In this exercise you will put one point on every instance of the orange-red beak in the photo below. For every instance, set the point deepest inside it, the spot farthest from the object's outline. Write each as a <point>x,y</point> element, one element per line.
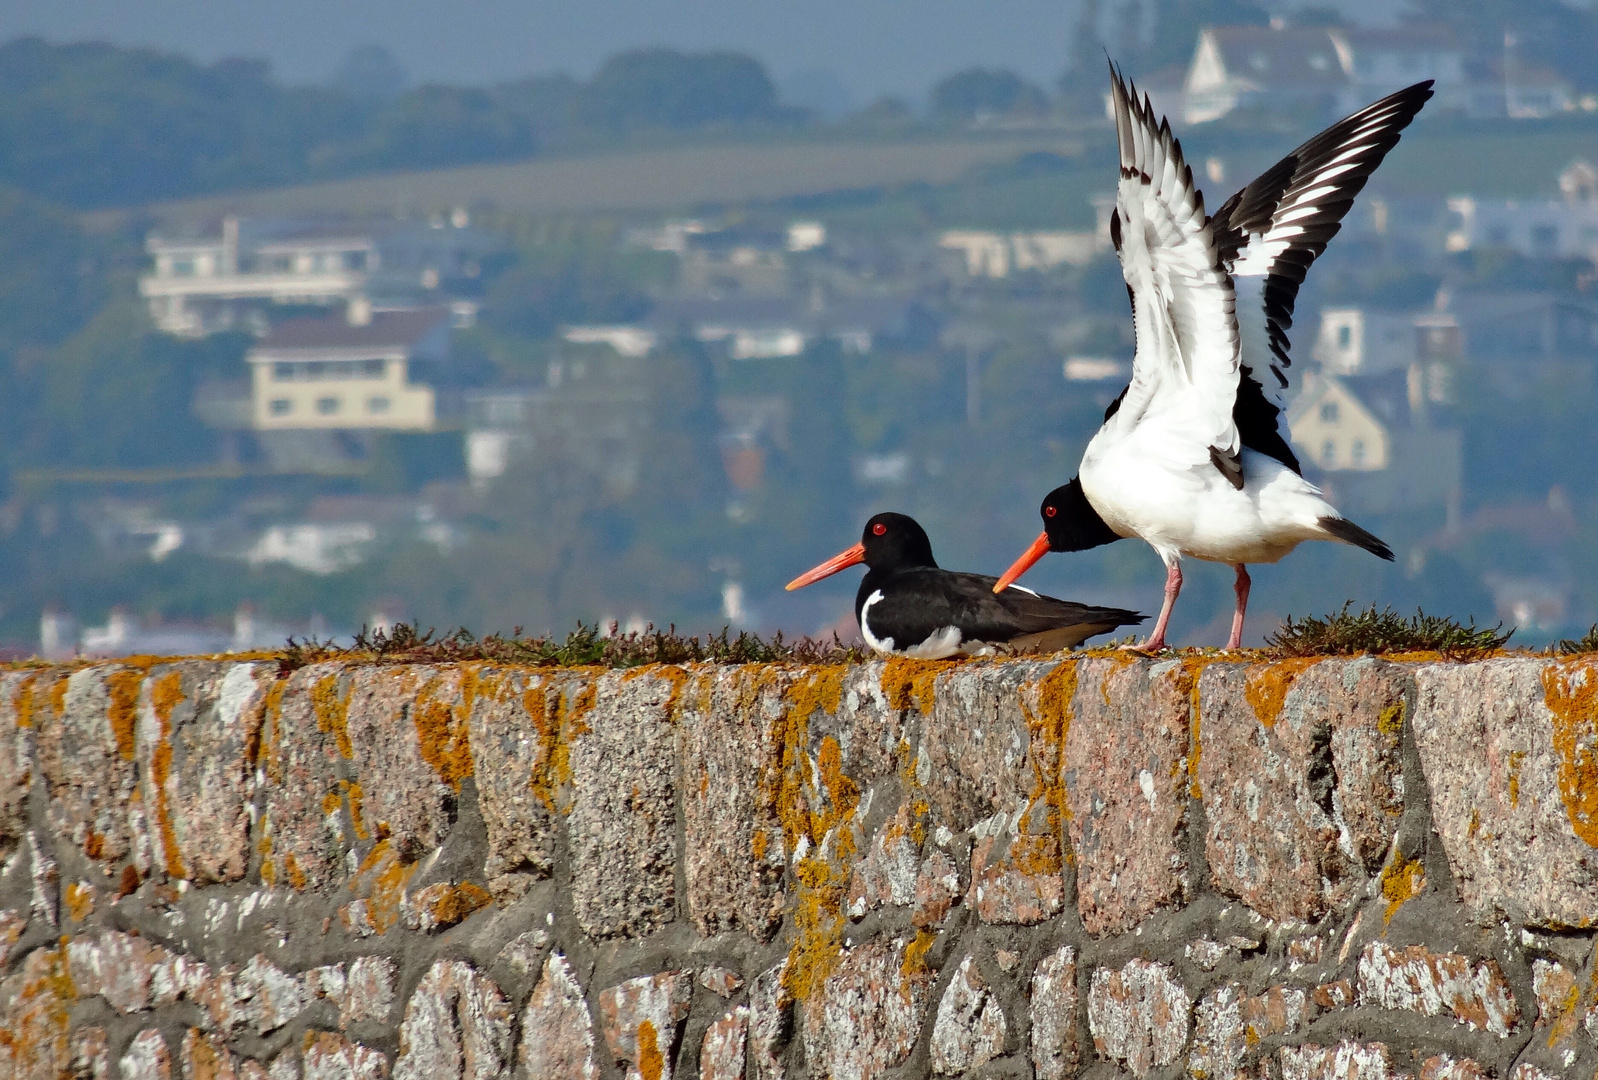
<point>1039,548</point>
<point>841,561</point>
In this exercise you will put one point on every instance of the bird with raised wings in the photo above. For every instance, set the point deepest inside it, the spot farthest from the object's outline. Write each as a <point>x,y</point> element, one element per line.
<point>1193,456</point>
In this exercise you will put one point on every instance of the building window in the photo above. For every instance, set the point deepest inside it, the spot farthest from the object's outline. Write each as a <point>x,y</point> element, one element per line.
<point>1328,454</point>
<point>327,406</point>
<point>281,406</point>
<point>377,405</point>
<point>1356,452</point>
<point>182,267</point>
<point>1345,336</point>
<point>283,372</point>
<point>1329,411</point>
<point>372,369</point>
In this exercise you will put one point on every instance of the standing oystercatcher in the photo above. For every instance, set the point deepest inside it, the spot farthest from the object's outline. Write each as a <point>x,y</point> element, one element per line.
<point>1193,456</point>
<point>908,606</point>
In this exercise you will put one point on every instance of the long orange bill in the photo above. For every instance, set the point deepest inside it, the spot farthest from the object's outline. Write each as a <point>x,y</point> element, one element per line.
<point>841,561</point>
<point>1039,548</point>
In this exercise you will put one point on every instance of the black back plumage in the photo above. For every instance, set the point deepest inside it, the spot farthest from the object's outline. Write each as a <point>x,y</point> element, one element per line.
<point>920,599</point>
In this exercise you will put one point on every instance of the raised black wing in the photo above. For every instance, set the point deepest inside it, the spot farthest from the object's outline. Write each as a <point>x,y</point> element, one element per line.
<point>1268,234</point>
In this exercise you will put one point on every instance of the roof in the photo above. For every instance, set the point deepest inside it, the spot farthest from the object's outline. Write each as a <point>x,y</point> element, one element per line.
<point>1432,37</point>
<point>1301,57</point>
<point>387,330</point>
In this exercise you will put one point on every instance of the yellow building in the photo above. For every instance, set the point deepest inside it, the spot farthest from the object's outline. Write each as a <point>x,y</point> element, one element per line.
<point>1335,429</point>
<point>358,372</point>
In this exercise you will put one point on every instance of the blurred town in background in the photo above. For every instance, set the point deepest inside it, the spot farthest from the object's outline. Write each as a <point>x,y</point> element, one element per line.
<point>641,346</point>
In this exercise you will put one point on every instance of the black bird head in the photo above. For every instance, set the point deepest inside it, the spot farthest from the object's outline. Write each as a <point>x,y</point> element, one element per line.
<point>888,542</point>
<point>1069,524</point>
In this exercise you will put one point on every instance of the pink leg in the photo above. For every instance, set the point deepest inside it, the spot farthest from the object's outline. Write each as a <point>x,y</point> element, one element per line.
<point>1173,587</point>
<point>1236,640</point>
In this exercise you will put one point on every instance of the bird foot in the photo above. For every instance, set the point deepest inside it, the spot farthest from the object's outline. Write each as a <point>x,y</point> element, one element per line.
<point>1147,648</point>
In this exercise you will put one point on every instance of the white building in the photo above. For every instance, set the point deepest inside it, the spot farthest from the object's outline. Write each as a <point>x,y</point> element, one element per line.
<point>195,283</point>
<point>1553,228</point>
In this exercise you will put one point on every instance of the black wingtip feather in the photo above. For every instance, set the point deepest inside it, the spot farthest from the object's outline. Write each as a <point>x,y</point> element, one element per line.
<point>1349,533</point>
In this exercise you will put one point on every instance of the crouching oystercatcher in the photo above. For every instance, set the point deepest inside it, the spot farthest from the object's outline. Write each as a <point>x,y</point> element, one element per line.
<point>1193,456</point>
<point>909,606</point>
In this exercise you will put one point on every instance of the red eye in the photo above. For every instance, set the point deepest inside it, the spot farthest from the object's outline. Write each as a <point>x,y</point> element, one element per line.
<point>879,528</point>
<point>1049,511</point>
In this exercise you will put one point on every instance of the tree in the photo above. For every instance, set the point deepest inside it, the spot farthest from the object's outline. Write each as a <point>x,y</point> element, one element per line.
<point>977,92</point>
<point>663,88</point>
<point>370,72</point>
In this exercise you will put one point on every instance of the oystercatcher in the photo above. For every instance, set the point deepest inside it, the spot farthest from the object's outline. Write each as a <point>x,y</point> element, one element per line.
<point>908,606</point>
<point>1193,456</point>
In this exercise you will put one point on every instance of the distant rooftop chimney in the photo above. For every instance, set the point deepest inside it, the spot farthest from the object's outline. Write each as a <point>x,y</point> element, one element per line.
<point>359,312</point>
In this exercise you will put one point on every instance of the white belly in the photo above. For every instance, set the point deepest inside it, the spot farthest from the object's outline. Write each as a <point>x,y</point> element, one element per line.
<point>1194,512</point>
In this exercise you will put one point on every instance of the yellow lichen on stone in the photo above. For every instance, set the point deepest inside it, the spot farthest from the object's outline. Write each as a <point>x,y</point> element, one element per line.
<point>1390,721</point>
<point>332,713</point>
<point>385,875</point>
<point>651,1064</point>
<point>1402,880</point>
<point>1266,685</point>
<point>292,871</point>
<point>1048,727</point>
<point>264,847</point>
<point>912,683</point>
<point>23,702</point>
<point>353,792</point>
<point>441,732</point>
<point>1570,690</point>
<point>78,899</point>
<point>815,802</point>
<point>266,751</point>
<point>122,687</point>
<point>165,695</point>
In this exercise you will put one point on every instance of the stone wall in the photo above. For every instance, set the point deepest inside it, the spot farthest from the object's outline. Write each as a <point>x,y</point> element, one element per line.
<point>1096,866</point>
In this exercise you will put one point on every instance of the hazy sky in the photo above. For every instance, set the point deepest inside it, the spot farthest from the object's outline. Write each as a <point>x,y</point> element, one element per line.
<point>871,46</point>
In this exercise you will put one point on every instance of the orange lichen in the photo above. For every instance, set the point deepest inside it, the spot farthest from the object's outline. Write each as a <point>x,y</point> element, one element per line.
<point>1402,880</point>
<point>1569,1015</point>
<point>58,697</point>
<point>78,898</point>
<point>165,695</point>
<point>36,1036</point>
<point>914,964</point>
<point>651,1064</point>
<point>912,683</point>
<point>122,687</point>
<point>23,702</point>
<point>291,870</point>
<point>1266,685</point>
<point>1570,691</point>
<point>1516,759</point>
<point>1047,729</point>
<point>387,875</point>
<point>264,846</point>
<point>441,731</point>
<point>353,792</point>
<point>332,713</point>
<point>129,883</point>
<point>815,803</point>
<point>261,736</point>
<point>1188,677</point>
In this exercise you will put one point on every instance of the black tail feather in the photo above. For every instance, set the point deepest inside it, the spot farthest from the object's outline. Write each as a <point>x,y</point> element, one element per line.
<point>1349,533</point>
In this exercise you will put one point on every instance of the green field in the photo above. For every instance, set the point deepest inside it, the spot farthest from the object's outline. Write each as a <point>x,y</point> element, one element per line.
<point>647,181</point>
